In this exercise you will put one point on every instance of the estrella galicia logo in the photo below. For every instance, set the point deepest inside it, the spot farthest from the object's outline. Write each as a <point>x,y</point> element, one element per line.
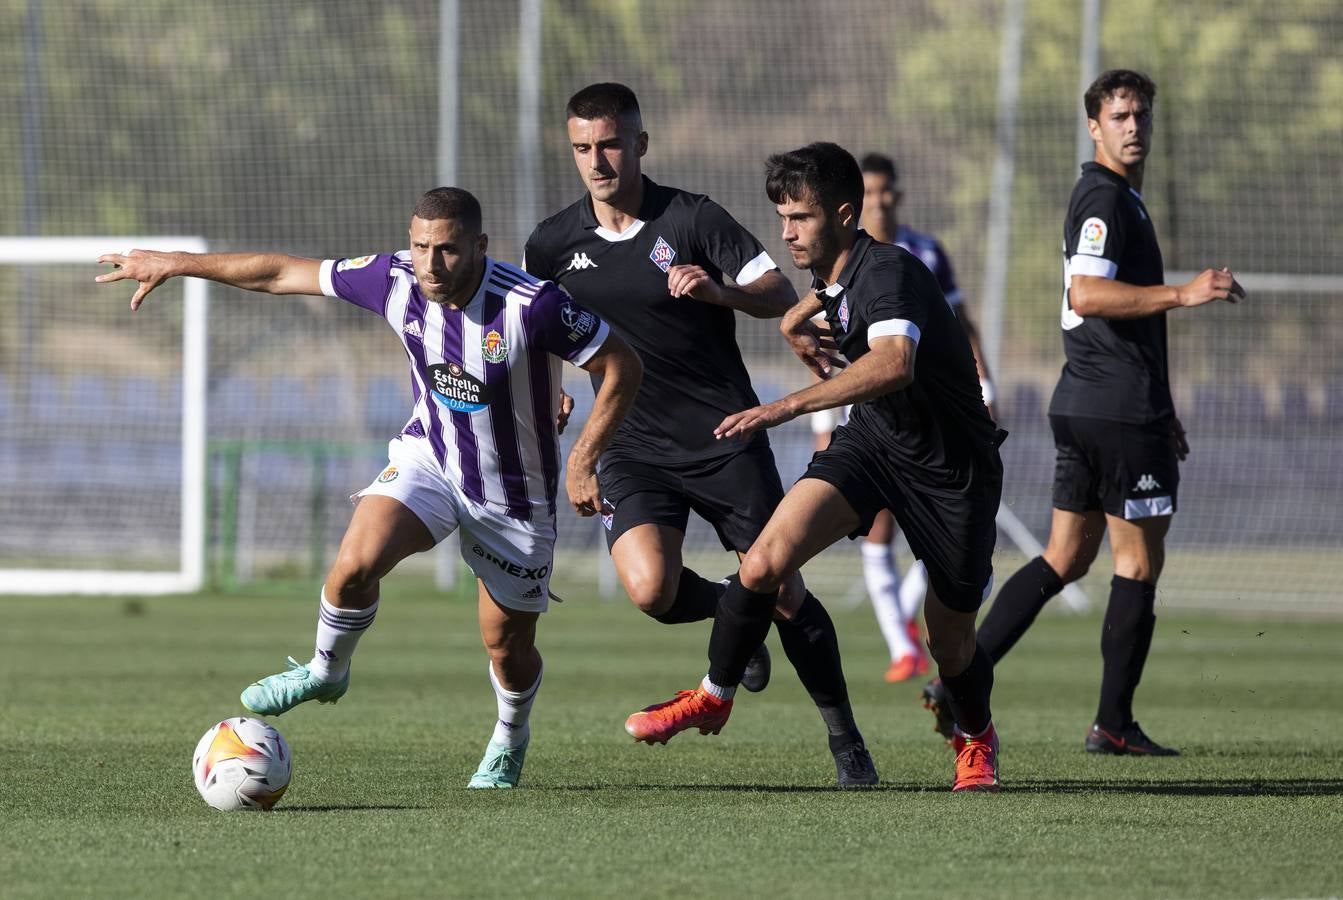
<point>662,254</point>
<point>456,388</point>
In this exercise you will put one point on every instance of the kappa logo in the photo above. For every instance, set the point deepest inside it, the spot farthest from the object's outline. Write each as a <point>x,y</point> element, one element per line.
<point>581,261</point>
<point>662,254</point>
<point>414,329</point>
<point>1148,483</point>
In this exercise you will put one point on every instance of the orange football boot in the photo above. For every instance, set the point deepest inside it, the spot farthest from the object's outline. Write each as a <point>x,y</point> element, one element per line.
<point>977,763</point>
<point>904,668</point>
<point>660,722</point>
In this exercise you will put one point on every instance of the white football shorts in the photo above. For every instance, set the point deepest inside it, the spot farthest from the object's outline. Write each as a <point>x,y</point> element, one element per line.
<point>512,557</point>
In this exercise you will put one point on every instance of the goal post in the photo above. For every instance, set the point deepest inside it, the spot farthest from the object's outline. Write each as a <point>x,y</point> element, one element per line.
<point>46,419</point>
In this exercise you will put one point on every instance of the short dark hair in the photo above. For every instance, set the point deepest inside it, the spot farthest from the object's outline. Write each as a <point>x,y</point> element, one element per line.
<point>1107,84</point>
<point>880,164</point>
<point>450,203</point>
<point>824,172</point>
<point>606,100</point>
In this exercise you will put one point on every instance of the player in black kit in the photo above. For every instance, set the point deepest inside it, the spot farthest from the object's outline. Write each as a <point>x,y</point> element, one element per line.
<point>651,260</point>
<point>923,447</point>
<point>1119,443</point>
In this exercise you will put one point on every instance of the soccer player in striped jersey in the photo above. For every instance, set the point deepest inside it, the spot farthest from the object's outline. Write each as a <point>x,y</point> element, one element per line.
<point>897,601</point>
<point>479,453</point>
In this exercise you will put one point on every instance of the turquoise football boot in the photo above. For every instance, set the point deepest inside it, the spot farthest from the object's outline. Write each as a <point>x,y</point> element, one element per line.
<point>280,693</point>
<point>501,767</point>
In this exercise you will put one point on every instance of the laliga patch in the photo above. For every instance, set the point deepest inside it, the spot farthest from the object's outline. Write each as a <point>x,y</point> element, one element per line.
<point>356,262</point>
<point>844,313</point>
<point>388,475</point>
<point>456,388</point>
<point>662,254</point>
<point>1092,239</point>
<point>580,322</point>
<point>493,347</point>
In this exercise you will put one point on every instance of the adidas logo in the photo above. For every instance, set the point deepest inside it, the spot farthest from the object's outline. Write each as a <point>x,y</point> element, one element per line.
<point>414,329</point>
<point>1148,483</point>
<point>533,594</point>
<point>580,261</point>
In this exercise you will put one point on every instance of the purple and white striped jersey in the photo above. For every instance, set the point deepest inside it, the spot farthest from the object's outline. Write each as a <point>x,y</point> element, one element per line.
<point>486,378</point>
<point>927,248</point>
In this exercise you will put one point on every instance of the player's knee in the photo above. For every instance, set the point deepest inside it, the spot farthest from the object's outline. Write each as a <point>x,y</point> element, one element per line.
<point>1069,564</point>
<point>760,572</point>
<point>352,580</point>
<point>649,591</point>
<point>951,649</point>
<point>1137,569</point>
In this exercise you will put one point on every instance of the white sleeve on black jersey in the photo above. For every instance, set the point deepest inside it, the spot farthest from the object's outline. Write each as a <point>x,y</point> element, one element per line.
<point>1095,239</point>
<point>728,245</point>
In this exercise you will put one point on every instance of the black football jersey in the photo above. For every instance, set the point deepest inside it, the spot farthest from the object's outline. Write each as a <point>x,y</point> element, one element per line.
<point>694,376</point>
<point>937,427</point>
<point>1115,369</point>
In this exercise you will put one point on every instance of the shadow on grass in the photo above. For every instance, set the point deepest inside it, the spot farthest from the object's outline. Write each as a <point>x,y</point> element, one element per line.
<point>1213,787</point>
<point>344,807</point>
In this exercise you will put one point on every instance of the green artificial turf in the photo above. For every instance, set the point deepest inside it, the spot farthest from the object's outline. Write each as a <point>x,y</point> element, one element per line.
<point>103,701</point>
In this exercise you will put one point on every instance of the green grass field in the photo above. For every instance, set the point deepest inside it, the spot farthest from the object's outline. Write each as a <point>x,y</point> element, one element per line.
<point>103,701</point>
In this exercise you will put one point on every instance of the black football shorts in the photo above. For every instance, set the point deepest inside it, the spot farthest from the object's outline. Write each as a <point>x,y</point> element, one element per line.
<point>735,494</point>
<point>952,531</point>
<point>1129,471</point>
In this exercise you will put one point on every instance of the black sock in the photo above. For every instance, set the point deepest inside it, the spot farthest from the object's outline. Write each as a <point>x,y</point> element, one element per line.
<point>696,599</point>
<point>739,626</point>
<point>969,694</point>
<point>812,647</point>
<point>1125,640</point>
<point>1017,605</point>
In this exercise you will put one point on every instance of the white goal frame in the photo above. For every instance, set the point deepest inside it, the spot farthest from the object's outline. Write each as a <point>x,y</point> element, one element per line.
<point>190,575</point>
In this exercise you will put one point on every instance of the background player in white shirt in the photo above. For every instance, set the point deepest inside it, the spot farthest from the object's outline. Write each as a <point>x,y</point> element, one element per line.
<point>479,453</point>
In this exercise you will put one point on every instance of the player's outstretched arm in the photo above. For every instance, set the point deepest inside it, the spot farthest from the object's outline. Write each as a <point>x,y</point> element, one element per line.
<point>1094,296</point>
<point>620,372</point>
<point>767,297</point>
<point>272,273</point>
<point>887,366</point>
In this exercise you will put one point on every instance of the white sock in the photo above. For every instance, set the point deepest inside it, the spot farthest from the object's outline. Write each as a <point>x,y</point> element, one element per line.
<point>511,728</point>
<point>912,591</point>
<point>718,690</point>
<point>338,631</point>
<point>880,574</point>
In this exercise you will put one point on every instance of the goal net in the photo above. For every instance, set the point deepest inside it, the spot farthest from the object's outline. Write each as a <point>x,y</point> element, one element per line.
<point>102,424</point>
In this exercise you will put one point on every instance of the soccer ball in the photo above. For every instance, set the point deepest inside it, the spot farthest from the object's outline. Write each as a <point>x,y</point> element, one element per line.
<point>241,763</point>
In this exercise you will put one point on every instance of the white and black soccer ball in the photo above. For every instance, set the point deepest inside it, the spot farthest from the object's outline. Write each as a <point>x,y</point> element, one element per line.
<point>242,763</point>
